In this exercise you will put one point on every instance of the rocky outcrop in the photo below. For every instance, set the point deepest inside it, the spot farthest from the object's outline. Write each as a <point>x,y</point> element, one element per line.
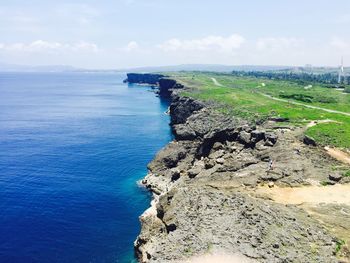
<point>166,87</point>
<point>197,219</point>
<point>199,203</point>
<point>182,107</point>
<point>139,78</point>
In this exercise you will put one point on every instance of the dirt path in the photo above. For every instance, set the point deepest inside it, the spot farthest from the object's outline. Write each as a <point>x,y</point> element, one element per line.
<point>305,105</point>
<point>314,123</point>
<point>216,83</point>
<point>338,154</point>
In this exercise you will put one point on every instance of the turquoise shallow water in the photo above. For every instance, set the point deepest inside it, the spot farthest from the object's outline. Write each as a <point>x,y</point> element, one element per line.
<point>73,146</point>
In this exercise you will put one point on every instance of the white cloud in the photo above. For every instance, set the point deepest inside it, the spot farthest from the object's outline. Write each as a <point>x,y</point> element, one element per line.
<point>209,43</point>
<point>278,44</point>
<point>45,46</point>
<point>85,46</point>
<point>132,46</point>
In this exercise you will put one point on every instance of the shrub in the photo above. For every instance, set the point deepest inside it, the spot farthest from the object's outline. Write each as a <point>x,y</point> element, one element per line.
<point>347,174</point>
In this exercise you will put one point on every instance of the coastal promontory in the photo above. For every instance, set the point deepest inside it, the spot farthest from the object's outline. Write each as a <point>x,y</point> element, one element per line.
<point>235,186</point>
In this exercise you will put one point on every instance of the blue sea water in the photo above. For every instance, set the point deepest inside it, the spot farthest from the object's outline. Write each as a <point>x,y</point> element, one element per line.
<point>72,146</point>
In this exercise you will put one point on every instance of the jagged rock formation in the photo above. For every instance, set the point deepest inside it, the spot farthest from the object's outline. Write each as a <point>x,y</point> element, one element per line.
<point>199,201</point>
<point>165,85</point>
<point>152,79</point>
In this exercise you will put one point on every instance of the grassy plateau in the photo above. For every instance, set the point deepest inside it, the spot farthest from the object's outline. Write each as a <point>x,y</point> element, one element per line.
<point>258,99</point>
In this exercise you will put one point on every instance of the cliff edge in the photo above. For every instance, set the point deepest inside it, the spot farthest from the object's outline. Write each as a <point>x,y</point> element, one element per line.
<point>204,198</point>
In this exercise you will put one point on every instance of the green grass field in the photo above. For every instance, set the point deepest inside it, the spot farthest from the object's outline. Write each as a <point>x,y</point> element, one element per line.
<point>248,97</point>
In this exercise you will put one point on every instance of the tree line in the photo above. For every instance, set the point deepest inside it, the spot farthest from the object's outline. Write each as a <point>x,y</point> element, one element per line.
<point>300,77</point>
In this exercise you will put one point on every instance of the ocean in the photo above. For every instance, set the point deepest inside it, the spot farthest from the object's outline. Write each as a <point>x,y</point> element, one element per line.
<point>72,147</point>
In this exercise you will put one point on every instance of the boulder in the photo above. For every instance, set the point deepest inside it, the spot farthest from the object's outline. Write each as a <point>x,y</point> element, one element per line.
<point>270,139</point>
<point>244,137</point>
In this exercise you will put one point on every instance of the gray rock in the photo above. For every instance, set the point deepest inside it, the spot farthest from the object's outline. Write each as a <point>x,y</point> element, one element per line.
<point>257,135</point>
<point>309,141</point>
<point>244,137</point>
<point>272,176</point>
<point>209,163</point>
<point>175,174</point>
<point>218,146</point>
<point>217,154</point>
<point>209,209</point>
<point>182,107</point>
<point>192,173</point>
<point>184,132</point>
<point>335,177</point>
<point>198,217</point>
<point>220,160</point>
<point>271,139</point>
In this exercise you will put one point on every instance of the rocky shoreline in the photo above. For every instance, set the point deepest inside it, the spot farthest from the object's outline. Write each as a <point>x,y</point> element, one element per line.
<point>202,181</point>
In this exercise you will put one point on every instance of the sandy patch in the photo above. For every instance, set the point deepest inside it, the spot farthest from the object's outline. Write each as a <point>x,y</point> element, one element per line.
<point>220,258</point>
<point>333,194</point>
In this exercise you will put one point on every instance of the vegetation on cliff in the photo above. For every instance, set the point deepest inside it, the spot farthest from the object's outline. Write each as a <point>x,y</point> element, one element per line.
<point>259,99</point>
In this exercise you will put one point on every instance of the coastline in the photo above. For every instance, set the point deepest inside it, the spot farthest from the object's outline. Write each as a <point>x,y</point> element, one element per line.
<point>202,185</point>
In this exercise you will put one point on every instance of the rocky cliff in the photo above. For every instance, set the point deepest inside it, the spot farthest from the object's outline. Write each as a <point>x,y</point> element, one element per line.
<point>165,85</point>
<point>201,185</point>
<point>139,78</point>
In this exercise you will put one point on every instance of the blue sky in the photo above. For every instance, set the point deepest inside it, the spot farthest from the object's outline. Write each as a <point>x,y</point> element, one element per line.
<point>130,33</point>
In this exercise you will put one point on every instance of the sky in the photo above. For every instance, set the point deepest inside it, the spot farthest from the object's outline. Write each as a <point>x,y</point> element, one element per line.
<point>113,34</point>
